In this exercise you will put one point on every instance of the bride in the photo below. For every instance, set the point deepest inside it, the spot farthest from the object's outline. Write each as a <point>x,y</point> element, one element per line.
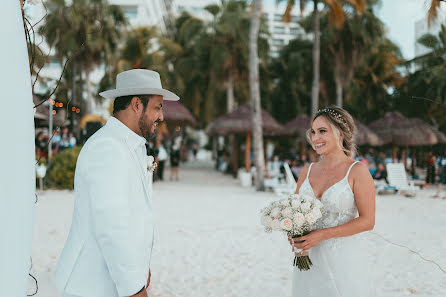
<point>347,191</point>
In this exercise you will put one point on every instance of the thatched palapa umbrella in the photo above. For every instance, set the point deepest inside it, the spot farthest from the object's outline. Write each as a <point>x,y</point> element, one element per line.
<point>441,137</point>
<point>239,122</point>
<point>298,127</point>
<point>365,136</point>
<point>396,129</point>
<point>175,112</point>
<point>175,115</point>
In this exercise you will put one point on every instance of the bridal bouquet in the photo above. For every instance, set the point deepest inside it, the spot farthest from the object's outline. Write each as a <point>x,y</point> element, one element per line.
<point>296,216</point>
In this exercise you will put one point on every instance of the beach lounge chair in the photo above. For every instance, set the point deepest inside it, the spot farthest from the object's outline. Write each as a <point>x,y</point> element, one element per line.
<point>396,175</point>
<point>289,187</point>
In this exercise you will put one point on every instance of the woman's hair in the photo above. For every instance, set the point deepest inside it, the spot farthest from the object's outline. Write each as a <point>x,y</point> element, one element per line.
<point>343,127</point>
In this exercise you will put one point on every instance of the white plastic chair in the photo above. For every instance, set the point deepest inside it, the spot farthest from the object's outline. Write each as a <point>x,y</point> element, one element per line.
<point>290,185</point>
<point>396,175</point>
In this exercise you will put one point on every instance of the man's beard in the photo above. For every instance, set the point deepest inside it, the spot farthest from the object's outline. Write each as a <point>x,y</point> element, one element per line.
<point>146,128</point>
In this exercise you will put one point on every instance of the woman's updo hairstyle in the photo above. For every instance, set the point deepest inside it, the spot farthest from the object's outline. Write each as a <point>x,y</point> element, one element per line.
<point>343,127</point>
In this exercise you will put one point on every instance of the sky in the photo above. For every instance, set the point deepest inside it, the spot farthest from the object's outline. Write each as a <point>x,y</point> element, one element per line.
<point>399,16</point>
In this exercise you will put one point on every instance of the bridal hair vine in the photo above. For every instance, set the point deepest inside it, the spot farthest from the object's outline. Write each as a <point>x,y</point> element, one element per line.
<point>335,114</point>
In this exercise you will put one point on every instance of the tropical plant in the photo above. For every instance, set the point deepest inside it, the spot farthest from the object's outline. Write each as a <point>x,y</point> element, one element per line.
<point>62,168</point>
<point>425,89</point>
<point>85,33</point>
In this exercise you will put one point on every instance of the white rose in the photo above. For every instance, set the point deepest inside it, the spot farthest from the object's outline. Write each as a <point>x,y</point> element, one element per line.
<point>275,225</point>
<point>295,203</point>
<point>316,212</point>
<point>295,196</point>
<point>285,202</point>
<point>150,160</point>
<point>287,213</point>
<point>299,220</point>
<point>310,219</point>
<point>266,221</point>
<point>275,213</point>
<point>307,198</point>
<point>286,224</point>
<point>305,207</point>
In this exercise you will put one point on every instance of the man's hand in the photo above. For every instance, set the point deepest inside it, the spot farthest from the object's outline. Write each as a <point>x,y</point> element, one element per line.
<point>148,280</point>
<point>143,293</point>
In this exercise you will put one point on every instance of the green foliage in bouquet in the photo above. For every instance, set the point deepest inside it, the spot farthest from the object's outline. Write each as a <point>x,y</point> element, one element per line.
<point>61,170</point>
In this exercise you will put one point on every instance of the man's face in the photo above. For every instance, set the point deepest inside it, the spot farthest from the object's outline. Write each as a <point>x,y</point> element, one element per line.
<point>151,117</point>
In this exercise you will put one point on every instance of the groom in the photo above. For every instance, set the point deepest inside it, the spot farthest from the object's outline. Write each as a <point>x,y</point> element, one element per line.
<point>108,250</point>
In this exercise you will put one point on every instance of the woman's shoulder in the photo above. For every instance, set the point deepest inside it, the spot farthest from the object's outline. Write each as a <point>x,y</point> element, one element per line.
<point>360,170</point>
<point>303,172</point>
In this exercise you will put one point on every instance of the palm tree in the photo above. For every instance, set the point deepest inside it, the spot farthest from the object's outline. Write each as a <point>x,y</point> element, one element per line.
<point>336,16</point>
<point>347,45</point>
<point>432,13</point>
<point>427,84</point>
<point>232,34</point>
<point>86,33</point>
<point>255,96</point>
<point>376,77</point>
<point>293,74</point>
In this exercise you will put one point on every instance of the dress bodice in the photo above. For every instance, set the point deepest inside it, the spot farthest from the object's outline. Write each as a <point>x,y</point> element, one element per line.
<point>339,201</point>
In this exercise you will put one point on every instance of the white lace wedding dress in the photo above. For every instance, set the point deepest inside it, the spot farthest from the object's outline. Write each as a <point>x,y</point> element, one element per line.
<point>340,267</point>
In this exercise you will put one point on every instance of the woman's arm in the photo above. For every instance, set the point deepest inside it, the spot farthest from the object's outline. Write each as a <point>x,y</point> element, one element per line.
<point>364,191</point>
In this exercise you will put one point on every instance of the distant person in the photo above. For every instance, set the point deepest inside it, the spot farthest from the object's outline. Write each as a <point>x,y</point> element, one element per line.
<point>174,162</point>
<point>55,140</point>
<point>41,144</point>
<point>430,170</point>
<point>64,141</point>
<point>72,141</point>
<point>162,157</point>
<point>442,172</point>
<point>296,167</point>
<point>195,150</point>
<point>380,173</point>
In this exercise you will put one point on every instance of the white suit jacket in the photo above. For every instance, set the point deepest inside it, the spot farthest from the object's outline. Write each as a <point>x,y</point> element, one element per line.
<point>108,249</point>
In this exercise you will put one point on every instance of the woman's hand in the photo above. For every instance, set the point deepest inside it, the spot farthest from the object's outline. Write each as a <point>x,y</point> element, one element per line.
<point>308,241</point>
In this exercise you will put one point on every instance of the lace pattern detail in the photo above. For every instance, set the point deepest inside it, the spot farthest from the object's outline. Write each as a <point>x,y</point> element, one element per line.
<point>339,203</point>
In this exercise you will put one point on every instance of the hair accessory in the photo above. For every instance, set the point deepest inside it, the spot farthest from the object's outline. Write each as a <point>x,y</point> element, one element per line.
<point>335,114</point>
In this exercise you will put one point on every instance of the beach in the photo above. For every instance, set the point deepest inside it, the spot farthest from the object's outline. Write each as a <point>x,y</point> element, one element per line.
<point>209,241</point>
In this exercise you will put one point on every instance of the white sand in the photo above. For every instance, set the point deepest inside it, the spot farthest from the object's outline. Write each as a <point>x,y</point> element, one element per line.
<point>209,241</point>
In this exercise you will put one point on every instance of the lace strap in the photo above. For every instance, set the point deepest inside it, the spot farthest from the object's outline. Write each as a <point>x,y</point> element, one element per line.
<point>309,168</point>
<point>350,168</point>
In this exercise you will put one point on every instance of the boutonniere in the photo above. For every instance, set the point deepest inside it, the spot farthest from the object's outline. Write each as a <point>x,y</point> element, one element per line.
<point>151,164</point>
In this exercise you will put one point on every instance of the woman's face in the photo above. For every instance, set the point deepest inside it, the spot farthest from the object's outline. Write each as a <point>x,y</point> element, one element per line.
<point>323,136</point>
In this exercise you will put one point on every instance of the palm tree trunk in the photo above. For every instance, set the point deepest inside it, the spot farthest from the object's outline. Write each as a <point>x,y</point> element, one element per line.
<point>230,92</point>
<point>316,60</point>
<point>90,102</point>
<point>338,91</point>
<point>255,96</point>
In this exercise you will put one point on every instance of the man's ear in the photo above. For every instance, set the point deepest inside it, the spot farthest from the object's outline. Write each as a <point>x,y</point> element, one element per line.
<point>136,104</point>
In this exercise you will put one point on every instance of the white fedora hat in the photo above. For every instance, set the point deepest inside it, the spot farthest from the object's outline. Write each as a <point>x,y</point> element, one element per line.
<point>139,82</point>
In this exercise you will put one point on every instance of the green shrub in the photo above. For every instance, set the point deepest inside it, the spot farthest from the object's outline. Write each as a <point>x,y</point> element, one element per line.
<point>61,171</point>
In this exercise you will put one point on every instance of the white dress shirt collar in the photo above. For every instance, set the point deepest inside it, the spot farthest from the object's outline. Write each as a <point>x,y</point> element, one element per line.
<point>134,140</point>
